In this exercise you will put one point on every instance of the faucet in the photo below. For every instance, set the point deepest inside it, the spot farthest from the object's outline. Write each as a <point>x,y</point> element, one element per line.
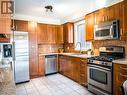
<point>79,44</point>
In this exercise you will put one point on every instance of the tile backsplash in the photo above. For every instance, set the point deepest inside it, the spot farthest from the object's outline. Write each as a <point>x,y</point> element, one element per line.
<point>97,44</point>
<point>48,48</point>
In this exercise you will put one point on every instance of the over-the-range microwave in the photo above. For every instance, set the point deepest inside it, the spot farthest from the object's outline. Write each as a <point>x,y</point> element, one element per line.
<point>108,30</point>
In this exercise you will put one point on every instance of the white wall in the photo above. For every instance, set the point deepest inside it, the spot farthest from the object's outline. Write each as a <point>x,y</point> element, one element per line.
<point>95,5</point>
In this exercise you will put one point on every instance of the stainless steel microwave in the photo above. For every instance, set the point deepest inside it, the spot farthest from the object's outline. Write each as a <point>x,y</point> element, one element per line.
<point>108,30</point>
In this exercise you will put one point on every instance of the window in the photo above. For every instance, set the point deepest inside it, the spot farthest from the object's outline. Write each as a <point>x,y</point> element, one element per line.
<point>79,28</point>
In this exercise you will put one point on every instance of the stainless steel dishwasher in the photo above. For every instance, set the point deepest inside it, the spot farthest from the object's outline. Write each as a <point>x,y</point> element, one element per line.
<point>50,64</point>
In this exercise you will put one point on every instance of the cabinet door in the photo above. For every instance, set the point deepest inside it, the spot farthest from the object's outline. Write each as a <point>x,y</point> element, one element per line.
<point>89,25</point>
<point>68,33</point>
<point>83,72</point>
<point>33,50</point>
<point>61,64</point>
<point>51,29</point>
<point>59,39</point>
<point>41,66</point>
<point>5,25</point>
<point>76,69</point>
<point>42,34</point>
<point>21,25</point>
<point>100,16</point>
<point>124,34</point>
<point>120,75</point>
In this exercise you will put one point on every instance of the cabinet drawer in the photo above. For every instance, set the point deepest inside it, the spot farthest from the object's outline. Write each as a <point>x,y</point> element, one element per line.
<point>121,77</point>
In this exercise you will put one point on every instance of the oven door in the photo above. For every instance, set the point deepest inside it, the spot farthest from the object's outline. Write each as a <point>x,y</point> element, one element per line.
<point>100,77</point>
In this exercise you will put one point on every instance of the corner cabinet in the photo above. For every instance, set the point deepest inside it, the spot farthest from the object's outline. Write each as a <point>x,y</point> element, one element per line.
<point>119,76</point>
<point>49,34</point>
<point>89,26</point>
<point>74,68</point>
<point>68,29</point>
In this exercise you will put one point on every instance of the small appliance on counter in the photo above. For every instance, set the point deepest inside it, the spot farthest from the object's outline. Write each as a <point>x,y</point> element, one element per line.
<point>100,69</point>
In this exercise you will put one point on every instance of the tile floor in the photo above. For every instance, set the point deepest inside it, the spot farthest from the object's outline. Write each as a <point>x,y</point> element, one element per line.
<point>56,84</point>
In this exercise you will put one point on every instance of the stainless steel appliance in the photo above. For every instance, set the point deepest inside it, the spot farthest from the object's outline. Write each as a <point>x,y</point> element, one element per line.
<point>100,69</point>
<point>21,56</point>
<point>108,30</point>
<point>50,64</point>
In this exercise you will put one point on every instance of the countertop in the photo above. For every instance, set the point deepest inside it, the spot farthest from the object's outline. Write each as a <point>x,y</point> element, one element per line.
<point>121,61</point>
<point>7,85</point>
<point>69,54</point>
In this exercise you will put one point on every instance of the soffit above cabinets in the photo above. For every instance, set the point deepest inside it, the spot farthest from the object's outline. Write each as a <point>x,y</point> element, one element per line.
<point>63,10</point>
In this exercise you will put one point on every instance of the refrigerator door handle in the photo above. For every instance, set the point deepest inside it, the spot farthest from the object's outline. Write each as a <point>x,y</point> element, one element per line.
<point>14,58</point>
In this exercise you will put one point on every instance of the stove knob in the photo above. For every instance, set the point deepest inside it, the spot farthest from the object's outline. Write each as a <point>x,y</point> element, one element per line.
<point>90,61</point>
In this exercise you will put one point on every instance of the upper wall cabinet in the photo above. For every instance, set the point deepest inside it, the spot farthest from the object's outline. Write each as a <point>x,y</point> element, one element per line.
<point>59,37</point>
<point>68,29</point>
<point>21,25</point>
<point>5,25</point>
<point>89,24</point>
<point>124,20</point>
<point>42,33</point>
<point>52,33</point>
<point>114,12</point>
<point>49,34</point>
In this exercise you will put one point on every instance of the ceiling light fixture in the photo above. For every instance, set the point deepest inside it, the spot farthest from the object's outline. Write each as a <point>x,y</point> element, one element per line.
<point>49,8</point>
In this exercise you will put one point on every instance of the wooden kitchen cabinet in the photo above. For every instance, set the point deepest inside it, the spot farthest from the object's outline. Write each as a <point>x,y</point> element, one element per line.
<point>83,72</point>
<point>21,25</point>
<point>5,25</point>
<point>49,34</point>
<point>68,29</point>
<point>41,65</point>
<point>59,37</point>
<point>33,50</point>
<point>42,34</point>
<point>119,76</point>
<point>52,31</point>
<point>100,16</point>
<point>89,26</point>
<point>124,20</point>
<point>74,68</point>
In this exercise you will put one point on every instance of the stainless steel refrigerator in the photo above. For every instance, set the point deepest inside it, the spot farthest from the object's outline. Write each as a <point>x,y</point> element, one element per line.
<point>21,56</point>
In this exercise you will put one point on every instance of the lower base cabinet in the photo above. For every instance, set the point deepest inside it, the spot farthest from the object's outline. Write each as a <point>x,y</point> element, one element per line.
<point>120,75</point>
<point>74,68</point>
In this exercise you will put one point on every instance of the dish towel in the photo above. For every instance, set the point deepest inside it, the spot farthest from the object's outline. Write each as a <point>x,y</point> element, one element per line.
<point>125,87</point>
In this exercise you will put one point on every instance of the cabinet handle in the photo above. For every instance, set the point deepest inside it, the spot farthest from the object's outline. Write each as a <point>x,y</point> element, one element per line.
<point>123,68</point>
<point>121,31</point>
<point>123,75</point>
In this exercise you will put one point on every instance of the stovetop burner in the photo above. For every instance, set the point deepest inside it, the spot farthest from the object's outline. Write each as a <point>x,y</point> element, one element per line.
<point>103,58</point>
<point>107,55</point>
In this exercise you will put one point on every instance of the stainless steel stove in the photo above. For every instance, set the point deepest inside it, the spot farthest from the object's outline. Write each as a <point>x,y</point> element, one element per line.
<point>100,69</point>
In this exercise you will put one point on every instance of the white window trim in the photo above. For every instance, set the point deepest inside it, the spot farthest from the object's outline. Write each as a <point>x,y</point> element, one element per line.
<point>75,29</point>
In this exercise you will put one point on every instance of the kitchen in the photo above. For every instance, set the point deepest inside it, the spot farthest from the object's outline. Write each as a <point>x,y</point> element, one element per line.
<point>47,50</point>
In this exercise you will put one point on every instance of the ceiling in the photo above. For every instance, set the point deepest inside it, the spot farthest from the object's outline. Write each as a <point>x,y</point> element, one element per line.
<point>63,10</point>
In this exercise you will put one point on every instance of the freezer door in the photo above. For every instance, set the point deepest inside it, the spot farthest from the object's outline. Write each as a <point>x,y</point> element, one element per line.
<point>21,69</point>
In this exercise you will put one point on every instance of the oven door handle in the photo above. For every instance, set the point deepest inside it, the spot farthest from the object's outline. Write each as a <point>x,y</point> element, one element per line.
<point>99,67</point>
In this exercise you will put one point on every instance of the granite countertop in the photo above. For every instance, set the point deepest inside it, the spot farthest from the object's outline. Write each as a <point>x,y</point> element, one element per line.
<point>69,54</point>
<point>121,61</point>
<point>7,85</point>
